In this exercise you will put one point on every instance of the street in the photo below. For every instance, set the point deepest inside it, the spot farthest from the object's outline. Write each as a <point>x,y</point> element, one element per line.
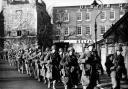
<point>10,78</point>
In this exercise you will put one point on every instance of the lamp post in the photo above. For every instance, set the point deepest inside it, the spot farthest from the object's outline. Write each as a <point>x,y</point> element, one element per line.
<point>95,26</point>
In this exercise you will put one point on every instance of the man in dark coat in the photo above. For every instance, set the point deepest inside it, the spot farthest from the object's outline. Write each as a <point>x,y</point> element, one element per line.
<point>53,61</point>
<point>115,65</point>
<point>116,69</point>
<point>93,61</point>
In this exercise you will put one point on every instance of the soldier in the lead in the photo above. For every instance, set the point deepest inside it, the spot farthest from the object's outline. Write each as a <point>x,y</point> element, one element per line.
<point>70,69</point>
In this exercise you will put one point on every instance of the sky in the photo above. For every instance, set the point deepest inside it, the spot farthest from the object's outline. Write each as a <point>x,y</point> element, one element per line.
<point>0,5</point>
<point>52,3</point>
<point>79,2</point>
<point>56,3</point>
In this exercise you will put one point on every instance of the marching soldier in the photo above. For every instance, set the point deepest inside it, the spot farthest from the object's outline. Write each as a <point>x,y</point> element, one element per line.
<point>89,62</point>
<point>53,61</point>
<point>43,63</point>
<point>61,53</point>
<point>21,61</point>
<point>70,68</point>
<point>85,68</point>
<point>116,65</point>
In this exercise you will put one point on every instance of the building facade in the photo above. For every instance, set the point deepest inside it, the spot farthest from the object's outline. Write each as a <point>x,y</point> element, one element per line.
<point>75,24</point>
<point>20,23</point>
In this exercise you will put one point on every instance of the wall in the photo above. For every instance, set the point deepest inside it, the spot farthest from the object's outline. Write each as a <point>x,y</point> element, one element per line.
<point>72,23</point>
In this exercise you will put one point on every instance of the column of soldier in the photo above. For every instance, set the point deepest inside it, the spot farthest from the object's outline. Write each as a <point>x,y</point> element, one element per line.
<point>59,66</point>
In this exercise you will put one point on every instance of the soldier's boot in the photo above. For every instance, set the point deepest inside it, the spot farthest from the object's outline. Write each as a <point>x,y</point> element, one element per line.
<point>49,85</point>
<point>45,81</point>
<point>76,86</point>
<point>54,82</point>
<point>84,87</point>
<point>65,87</point>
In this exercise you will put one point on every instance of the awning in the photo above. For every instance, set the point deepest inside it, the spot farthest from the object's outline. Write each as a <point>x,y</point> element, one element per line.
<point>119,31</point>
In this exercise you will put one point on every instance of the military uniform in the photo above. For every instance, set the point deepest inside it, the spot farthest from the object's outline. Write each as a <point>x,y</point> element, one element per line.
<point>92,62</point>
<point>116,66</point>
<point>70,70</point>
<point>53,61</point>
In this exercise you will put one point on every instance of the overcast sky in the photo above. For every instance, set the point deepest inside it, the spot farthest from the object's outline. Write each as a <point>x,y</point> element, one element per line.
<point>51,3</point>
<point>0,5</point>
<point>79,2</point>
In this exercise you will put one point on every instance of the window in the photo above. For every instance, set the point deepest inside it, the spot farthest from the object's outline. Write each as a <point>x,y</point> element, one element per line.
<point>66,17</point>
<point>112,15</point>
<point>19,33</point>
<point>79,16</point>
<point>88,29</point>
<point>103,15</point>
<point>58,32</point>
<point>8,33</point>
<point>79,30</point>
<point>87,16</point>
<point>102,29</point>
<point>19,14</point>
<point>58,17</point>
<point>66,32</point>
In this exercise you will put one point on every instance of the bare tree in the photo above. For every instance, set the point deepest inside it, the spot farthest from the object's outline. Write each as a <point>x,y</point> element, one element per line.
<point>44,26</point>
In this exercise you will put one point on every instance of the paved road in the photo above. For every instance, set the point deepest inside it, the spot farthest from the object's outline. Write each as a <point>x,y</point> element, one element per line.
<point>10,78</point>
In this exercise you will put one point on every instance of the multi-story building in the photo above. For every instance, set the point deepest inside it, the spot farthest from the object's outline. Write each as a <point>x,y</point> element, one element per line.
<point>20,23</point>
<point>75,24</point>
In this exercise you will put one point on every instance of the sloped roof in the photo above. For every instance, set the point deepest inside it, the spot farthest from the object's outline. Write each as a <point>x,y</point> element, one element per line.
<point>119,30</point>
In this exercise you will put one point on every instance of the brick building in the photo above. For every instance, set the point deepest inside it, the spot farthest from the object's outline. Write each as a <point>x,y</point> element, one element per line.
<point>75,24</point>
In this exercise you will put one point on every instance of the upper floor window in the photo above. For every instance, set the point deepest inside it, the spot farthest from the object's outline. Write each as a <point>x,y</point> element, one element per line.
<point>103,15</point>
<point>79,30</point>
<point>58,32</point>
<point>66,17</point>
<point>102,27</point>
<point>19,33</point>
<point>79,16</point>
<point>19,14</point>
<point>87,16</point>
<point>66,31</point>
<point>112,15</point>
<point>88,29</point>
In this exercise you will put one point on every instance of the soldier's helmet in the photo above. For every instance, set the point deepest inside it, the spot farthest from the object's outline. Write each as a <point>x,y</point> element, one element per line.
<point>54,47</point>
<point>71,49</point>
<point>119,48</point>
<point>47,49</point>
<point>60,49</point>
